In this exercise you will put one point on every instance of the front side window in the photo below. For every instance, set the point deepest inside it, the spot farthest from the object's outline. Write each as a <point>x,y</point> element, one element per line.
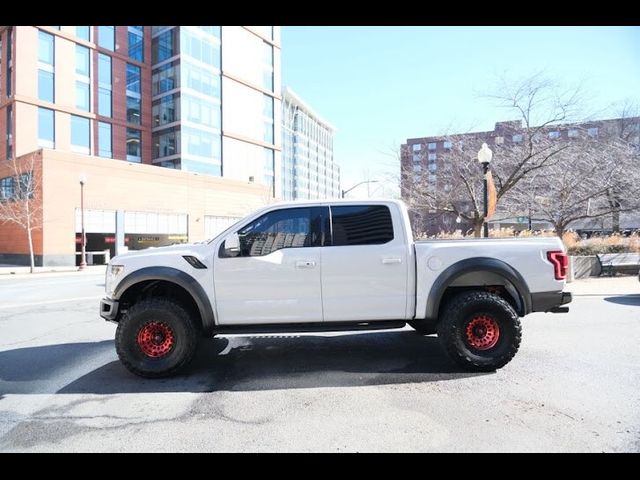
<point>6,188</point>
<point>361,225</point>
<point>133,78</point>
<point>287,228</point>
<point>136,43</point>
<point>82,60</point>
<point>82,96</point>
<point>104,140</point>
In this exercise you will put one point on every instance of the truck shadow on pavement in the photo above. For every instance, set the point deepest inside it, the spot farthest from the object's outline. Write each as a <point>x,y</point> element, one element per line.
<point>270,362</point>
<point>238,363</point>
<point>633,299</point>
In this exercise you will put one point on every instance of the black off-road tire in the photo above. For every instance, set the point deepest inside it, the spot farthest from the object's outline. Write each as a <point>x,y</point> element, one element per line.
<point>171,318</point>
<point>422,327</point>
<point>479,308</point>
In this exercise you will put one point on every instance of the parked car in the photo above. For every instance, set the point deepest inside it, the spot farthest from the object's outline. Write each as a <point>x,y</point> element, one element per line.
<point>326,266</point>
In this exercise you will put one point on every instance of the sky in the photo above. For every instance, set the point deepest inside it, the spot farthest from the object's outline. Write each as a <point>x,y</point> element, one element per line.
<point>381,85</point>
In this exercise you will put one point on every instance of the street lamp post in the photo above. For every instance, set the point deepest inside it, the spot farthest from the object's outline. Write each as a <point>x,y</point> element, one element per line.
<point>344,192</point>
<point>484,157</point>
<point>83,239</point>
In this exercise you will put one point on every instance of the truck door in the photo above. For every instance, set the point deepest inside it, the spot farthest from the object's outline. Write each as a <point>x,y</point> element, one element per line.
<point>364,269</point>
<point>275,277</point>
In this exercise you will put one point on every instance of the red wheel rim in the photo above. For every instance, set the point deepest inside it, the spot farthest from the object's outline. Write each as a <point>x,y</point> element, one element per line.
<point>155,339</point>
<point>482,332</point>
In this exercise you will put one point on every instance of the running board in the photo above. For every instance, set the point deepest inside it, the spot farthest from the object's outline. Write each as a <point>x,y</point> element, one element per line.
<point>308,327</point>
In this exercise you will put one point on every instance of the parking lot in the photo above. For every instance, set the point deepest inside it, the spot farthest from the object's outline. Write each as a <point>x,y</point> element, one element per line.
<point>573,386</point>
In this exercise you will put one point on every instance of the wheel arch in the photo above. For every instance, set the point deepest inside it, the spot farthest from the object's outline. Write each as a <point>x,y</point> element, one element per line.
<point>465,274</point>
<point>149,276</point>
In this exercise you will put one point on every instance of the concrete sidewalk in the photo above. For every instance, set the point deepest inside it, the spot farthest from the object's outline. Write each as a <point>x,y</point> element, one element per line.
<point>619,285</point>
<point>22,271</point>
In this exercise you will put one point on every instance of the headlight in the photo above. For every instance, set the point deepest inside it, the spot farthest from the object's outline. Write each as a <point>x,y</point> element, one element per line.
<point>113,272</point>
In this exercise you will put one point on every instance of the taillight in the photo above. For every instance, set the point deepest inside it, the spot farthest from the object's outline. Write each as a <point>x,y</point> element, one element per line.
<point>560,262</point>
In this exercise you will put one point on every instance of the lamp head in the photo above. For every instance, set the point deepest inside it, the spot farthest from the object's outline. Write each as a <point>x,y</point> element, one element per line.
<point>485,154</point>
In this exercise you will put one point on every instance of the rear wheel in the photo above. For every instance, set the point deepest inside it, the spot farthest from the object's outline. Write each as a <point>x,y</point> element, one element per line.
<point>480,330</point>
<point>156,338</point>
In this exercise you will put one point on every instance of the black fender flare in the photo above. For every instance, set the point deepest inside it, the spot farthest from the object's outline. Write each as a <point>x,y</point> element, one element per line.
<point>478,264</point>
<point>172,275</point>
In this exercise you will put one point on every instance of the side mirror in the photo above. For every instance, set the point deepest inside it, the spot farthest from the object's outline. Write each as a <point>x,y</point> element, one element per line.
<point>232,245</point>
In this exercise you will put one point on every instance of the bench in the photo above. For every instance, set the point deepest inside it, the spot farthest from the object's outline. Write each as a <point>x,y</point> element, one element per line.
<point>611,263</point>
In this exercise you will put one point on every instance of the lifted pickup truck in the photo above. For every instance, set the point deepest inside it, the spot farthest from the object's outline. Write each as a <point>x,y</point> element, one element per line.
<point>329,266</point>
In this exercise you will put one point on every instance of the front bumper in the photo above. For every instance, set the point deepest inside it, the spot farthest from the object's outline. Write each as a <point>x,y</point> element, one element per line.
<point>109,309</point>
<point>550,301</point>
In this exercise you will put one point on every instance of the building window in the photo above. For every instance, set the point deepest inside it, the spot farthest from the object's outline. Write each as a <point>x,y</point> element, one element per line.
<point>166,143</point>
<point>9,132</point>
<point>134,148</point>
<point>593,132</point>
<point>104,140</point>
<point>82,96</point>
<point>45,48</point>
<point>133,79</point>
<point>267,114</point>
<point>554,135</point>
<point>267,83</point>
<point>80,135</point>
<point>136,43</point>
<point>432,168</point>
<point>46,86</point>
<point>83,32</point>
<point>6,189</point>
<point>432,157</point>
<point>417,157</point>
<point>269,168</point>
<point>104,102</point>
<point>9,74</point>
<point>107,37</point>
<point>447,145</point>
<point>165,78</point>
<point>165,110</point>
<point>498,140</point>
<point>133,110</point>
<point>163,46</point>
<point>46,128</point>
<point>55,27</point>
<point>200,47</point>
<point>573,133</point>
<point>104,70</point>
<point>200,111</point>
<point>432,146</point>
<point>361,225</point>
<point>82,60</point>
<point>417,168</point>
<point>416,147</point>
<point>517,138</point>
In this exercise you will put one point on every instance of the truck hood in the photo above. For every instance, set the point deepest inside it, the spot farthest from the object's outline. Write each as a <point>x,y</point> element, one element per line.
<point>197,250</point>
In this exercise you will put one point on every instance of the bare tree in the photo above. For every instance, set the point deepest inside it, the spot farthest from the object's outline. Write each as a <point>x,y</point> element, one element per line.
<point>579,185</point>
<point>20,201</point>
<point>524,148</point>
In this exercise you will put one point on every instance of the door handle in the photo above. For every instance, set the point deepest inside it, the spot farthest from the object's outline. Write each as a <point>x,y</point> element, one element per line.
<point>305,264</point>
<point>388,261</point>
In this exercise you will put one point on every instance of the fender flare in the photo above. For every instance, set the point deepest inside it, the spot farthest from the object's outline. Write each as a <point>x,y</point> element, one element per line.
<point>478,264</point>
<point>172,275</point>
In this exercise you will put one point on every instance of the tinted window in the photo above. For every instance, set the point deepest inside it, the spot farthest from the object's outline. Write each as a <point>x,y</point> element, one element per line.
<point>361,225</point>
<point>288,228</point>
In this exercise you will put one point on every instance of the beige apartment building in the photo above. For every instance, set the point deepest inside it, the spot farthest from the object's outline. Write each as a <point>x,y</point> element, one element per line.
<point>175,128</point>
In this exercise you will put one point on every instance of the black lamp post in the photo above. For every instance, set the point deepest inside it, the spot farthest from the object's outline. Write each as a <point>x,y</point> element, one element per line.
<point>83,239</point>
<point>344,192</point>
<point>484,157</point>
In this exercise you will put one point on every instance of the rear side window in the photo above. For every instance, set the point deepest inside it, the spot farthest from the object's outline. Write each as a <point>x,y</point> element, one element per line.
<point>361,225</point>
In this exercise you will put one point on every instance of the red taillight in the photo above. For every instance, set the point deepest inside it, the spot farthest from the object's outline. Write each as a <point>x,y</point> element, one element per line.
<point>560,262</point>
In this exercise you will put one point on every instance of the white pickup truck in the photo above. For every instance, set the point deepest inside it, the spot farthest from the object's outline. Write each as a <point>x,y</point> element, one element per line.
<point>329,266</point>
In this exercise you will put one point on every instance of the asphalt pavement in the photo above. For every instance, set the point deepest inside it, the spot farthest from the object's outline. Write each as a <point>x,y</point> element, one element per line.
<point>574,386</point>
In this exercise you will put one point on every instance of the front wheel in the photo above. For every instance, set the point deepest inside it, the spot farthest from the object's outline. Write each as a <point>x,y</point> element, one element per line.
<point>480,330</point>
<point>156,338</point>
